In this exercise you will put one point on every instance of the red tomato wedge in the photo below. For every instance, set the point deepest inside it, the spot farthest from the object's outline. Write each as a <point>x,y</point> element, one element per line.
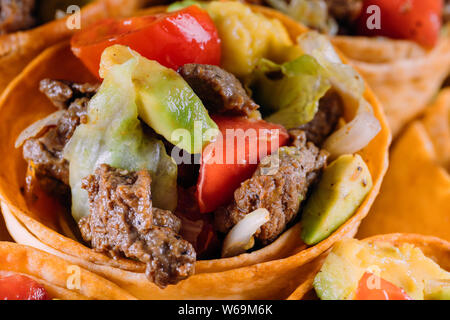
<point>173,39</point>
<point>229,161</point>
<point>415,20</point>
<point>19,287</point>
<point>385,290</point>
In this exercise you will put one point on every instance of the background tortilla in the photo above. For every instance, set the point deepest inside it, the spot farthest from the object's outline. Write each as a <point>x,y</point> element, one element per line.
<point>432,247</point>
<point>53,273</point>
<point>273,272</point>
<point>404,76</point>
<point>415,194</point>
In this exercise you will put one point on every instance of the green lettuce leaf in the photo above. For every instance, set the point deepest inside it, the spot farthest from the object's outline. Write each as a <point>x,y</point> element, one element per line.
<point>289,93</point>
<point>114,135</point>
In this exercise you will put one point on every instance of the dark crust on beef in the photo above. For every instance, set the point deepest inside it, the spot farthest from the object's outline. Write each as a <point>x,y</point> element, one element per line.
<point>16,15</point>
<point>122,222</point>
<point>279,190</point>
<point>220,91</point>
<point>325,120</point>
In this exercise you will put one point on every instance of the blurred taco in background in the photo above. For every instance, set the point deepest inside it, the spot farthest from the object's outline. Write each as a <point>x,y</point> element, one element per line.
<point>415,196</point>
<point>27,27</point>
<point>103,172</point>
<point>384,267</point>
<point>30,274</point>
<point>400,47</point>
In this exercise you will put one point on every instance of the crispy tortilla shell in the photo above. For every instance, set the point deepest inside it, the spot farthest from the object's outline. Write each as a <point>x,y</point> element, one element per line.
<point>434,248</point>
<point>403,75</point>
<point>19,48</point>
<point>54,274</point>
<point>415,194</point>
<point>270,273</point>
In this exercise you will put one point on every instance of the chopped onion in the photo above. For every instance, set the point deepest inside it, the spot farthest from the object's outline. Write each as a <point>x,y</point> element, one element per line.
<point>356,134</point>
<point>36,128</point>
<point>240,238</point>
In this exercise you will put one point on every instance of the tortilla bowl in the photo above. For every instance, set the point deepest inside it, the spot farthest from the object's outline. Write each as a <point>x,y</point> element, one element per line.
<point>19,48</point>
<point>403,75</point>
<point>415,195</point>
<point>54,274</point>
<point>270,273</point>
<point>434,248</point>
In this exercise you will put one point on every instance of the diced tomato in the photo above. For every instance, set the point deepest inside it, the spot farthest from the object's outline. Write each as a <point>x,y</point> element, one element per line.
<point>385,290</point>
<point>173,39</point>
<point>227,162</point>
<point>19,287</point>
<point>415,20</point>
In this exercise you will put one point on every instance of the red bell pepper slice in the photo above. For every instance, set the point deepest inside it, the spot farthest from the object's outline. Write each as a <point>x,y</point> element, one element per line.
<point>238,158</point>
<point>173,39</point>
<point>415,20</point>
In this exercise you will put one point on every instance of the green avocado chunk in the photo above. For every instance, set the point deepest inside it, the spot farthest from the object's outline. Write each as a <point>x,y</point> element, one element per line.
<point>342,189</point>
<point>437,290</point>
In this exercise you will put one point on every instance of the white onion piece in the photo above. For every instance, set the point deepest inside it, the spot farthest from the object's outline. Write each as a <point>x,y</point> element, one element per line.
<point>36,128</point>
<point>239,238</point>
<point>356,134</point>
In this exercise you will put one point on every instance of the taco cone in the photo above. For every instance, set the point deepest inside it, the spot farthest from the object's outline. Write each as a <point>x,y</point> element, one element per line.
<point>53,274</point>
<point>269,273</point>
<point>403,75</point>
<point>415,196</point>
<point>434,248</point>
<point>17,49</point>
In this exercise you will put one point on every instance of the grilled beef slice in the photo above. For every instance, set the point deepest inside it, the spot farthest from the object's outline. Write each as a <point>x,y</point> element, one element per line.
<point>122,222</point>
<point>16,15</point>
<point>219,90</point>
<point>279,189</point>
<point>46,152</point>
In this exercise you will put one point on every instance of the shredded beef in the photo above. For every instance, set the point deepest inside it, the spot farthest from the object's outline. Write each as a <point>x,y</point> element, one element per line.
<point>16,15</point>
<point>219,90</point>
<point>280,189</point>
<point>325,120</point>
<point>45,153</point>
<point>123,222</point>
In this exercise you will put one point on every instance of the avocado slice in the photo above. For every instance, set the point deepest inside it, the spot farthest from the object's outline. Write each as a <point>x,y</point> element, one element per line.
<point>342,189</point>
<point>437,290</point>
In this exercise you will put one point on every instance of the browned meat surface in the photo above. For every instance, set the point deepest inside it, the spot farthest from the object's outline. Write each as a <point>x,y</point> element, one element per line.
<point>279,188</point>
<point>446,15</point>
<point>325,120</point>
<point>45,152</point>
<point>16,15</point>
<point>122,222</point>
<point>219,90</point>
<point>344,10</point>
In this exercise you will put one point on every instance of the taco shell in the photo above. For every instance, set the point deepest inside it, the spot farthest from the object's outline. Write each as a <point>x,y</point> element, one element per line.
<point>54,274</point>
<point>403,75</point>
<point>434,248</point>
<point>270,273</point>
<point>415,195</point>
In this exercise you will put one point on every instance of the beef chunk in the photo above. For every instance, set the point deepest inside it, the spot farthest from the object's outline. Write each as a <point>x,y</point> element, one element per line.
<point>279,189</point>
<point>219,90</point>
<point>123,222</point>
<point>46,152</point>
<point>325,120</point>
<point>16,15</point>
<point>345,10</point>
<point>62,93</point>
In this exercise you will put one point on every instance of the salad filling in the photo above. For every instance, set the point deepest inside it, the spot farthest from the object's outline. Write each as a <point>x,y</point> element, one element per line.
<point>160,166</point>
